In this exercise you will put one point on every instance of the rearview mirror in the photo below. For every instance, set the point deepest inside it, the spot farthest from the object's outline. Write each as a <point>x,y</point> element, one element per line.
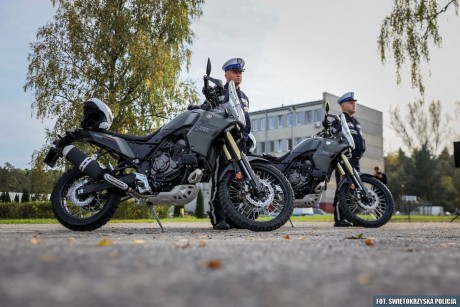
<point>208,67</point>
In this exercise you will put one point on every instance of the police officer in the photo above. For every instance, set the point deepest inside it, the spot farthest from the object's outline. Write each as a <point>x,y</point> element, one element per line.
<point>233,69</point>
<point>348,104</point>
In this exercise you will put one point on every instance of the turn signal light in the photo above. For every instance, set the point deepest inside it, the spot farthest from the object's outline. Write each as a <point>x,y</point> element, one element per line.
<point>238,176</point>
<point>352,187</point>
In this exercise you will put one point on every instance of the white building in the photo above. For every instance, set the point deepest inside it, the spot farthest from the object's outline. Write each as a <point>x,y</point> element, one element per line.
<point>278,130</point>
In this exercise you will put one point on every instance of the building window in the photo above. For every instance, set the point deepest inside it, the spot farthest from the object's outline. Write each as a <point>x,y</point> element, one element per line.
<point>289,120</point>
<point>318,115</point>
<point>263,123</point>
<point>279,146</point>
<point>298,119</point>
<point>254,124</point>
<point>262,147</point>
<point>280,121</point>
<point>272,146</point>
<point>289,144</point>
<point>308,117</point>
<point>271,122</point>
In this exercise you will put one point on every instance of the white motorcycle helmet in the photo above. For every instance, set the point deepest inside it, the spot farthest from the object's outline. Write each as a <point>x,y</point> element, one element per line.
<point>97,116</point>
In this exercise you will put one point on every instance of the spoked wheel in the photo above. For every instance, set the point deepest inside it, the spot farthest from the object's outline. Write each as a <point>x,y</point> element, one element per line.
<point>265,210</point>
<point>82,213</point>
<point>374,210</point>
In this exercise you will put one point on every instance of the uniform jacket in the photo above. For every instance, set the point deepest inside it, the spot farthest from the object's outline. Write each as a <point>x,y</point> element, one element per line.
<point>357,133</point>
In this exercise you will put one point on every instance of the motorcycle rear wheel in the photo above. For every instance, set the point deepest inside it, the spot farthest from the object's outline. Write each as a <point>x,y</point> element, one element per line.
<point>265,212</point>
<point>375,212</point>
<point>82,213</point>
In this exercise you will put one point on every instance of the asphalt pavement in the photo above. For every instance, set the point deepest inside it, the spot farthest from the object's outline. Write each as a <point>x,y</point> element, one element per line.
<point>312,264</point>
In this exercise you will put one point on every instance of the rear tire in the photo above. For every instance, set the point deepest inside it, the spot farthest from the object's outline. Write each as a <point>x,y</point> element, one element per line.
<point>371,214</point>
<point>82,214</point>
<point>265,212</point>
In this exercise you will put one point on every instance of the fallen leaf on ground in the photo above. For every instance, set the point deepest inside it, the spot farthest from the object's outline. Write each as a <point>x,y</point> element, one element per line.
<point>34,241</point>
<point>202,243</point>
<point>357,237</point>
<point>105,242</point>
<point>369,241</point>
<point>287,237</point>
<point>214,264</point>
<point>138,241</point>
<point>364,278</point>
<point>183,243</point>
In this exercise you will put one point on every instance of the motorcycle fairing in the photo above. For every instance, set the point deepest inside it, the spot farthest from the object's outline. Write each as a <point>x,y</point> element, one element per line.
<point>206,129</point>
<point>325,154</point>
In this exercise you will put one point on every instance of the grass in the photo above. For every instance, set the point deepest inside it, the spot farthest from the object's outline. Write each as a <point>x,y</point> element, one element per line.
<point>191,219</point>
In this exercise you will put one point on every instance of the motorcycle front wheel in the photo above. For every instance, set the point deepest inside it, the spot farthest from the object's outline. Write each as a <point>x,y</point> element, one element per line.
<point>372,211</point>
<point>266,210</point>
<point>85,213</point>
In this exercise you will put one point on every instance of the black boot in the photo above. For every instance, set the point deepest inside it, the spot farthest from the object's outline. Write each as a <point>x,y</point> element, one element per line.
<point>343,223</point>
<point>222,225</point>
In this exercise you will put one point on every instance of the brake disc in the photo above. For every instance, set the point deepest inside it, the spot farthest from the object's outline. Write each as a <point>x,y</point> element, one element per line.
<point>73,196</point>
<point>269,195</point>
<point>372,204</point>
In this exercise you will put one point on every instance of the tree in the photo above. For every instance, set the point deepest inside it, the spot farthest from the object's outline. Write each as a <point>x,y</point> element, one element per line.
<point>395,169</point>
<point>25,196</point>
<point>199,209</point>
<point>409,30</point>
<point>16,198</point>
<point>5,197</point>
<point>128,53</point>
<point>422,127</point>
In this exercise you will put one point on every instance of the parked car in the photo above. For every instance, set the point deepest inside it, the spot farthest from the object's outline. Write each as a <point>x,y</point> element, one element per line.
<point>318,211</point>
<point>302,211</point>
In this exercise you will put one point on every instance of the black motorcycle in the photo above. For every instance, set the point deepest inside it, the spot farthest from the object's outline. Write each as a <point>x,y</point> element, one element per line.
<point>364,200</point>
<point>164,167</point>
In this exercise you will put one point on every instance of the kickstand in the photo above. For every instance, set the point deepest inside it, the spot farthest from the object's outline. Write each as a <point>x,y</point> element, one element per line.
<point>291,223</point>
<point>155,216</point>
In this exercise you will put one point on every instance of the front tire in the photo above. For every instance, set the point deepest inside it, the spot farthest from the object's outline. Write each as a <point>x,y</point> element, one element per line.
<point>374,212</point>
<point>82,213</point>
<point>265,212</point>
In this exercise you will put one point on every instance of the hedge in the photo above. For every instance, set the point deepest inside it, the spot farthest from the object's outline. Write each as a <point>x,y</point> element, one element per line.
<point>43,210</point>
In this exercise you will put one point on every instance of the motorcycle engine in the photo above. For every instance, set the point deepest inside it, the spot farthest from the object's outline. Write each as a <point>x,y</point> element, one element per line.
<point>166,166</point>
<point>300,175</point>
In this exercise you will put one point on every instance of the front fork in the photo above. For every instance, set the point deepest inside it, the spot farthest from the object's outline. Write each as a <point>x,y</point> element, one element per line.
<point>352,173</point>
<point>233,153</point>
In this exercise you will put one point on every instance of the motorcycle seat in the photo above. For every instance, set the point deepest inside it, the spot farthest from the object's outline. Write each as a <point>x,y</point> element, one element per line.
<point>134,138</point>
<point>271,157</point>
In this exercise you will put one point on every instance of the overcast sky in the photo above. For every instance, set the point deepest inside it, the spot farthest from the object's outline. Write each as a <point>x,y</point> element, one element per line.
<point>294,51</point>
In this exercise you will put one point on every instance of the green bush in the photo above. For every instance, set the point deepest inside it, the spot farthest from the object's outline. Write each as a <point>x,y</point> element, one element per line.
<point>127,210</point>
<point>130,211</point>
<point>39,210</point>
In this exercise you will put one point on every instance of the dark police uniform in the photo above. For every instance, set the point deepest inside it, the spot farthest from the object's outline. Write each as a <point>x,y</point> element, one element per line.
<point>357,153</point>
<point>217,212</point>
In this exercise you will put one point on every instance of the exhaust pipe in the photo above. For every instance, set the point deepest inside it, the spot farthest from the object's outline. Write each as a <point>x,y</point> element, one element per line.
<point>85,164</point>
<point>92,168</point>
